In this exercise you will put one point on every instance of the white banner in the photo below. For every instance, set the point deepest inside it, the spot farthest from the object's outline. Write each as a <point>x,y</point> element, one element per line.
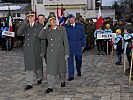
<point>106,36</point>
<point>7,33</point>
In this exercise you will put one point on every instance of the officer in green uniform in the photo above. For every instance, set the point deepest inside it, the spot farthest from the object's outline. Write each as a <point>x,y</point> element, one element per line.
<point>32,49</point>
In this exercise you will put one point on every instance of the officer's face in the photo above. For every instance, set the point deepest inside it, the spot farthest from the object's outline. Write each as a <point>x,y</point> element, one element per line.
<point>41,19</point>
<point>52,22</point>
<point>72,20</point>
<point>31,19</point>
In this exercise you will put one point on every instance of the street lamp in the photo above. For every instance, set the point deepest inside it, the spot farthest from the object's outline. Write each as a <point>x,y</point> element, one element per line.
<point>98,3</point>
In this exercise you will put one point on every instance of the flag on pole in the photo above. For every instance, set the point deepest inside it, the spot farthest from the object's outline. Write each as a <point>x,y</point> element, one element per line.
<point>36,17</point>
<point>99,20</point>
<point>57,16</point>
<point>10,21</point>
<point>62,22</point>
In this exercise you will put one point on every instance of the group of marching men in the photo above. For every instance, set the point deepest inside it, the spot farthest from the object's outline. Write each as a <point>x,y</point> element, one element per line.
<point>58,45</point>
<point>122,43</point>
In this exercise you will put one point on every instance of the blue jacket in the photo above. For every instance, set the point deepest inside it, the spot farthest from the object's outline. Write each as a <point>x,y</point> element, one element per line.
<point>127,38</point>
<point>4,29</point>
<point>98,32</point>
<point>107,31</point>
<point>118,42</point>
<point>76,38</point>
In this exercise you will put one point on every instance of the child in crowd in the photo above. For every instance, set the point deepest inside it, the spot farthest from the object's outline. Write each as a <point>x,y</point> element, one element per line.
<point>118,46</point>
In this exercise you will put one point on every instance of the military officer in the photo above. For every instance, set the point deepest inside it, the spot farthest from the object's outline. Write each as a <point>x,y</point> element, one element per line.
<point>89,29</point>
<point>77,42</point>
<point>32,48</point>
<point>57,52</point>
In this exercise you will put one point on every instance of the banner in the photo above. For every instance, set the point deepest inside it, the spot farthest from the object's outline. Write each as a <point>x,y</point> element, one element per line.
<point>107,36</point>
<point>7,33</point>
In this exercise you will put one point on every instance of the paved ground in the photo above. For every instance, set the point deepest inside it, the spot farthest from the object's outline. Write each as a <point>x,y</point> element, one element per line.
<point>100,80</point>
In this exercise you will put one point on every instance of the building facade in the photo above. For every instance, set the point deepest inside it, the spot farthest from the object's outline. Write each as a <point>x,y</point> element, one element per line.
<point>85,8</point>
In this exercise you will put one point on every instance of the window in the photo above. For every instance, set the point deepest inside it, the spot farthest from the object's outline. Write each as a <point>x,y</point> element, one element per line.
<point>18,14</point>
<point>39,1</point>
<point>77,14</point>
<point>14,14</point>
<point>51,14</point>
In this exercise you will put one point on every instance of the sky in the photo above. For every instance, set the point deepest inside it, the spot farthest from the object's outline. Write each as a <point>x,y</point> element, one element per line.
<point>109,2</point>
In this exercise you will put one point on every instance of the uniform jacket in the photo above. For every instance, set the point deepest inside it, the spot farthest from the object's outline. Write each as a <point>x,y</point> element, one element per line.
<point>57,48</point>
<point>32,46</point>
<point>76,38</point>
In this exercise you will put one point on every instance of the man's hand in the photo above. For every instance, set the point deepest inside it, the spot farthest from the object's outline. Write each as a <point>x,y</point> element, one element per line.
<point>67,21</point>
<point>46,26</point>
<point>66,57</point>
<point>82,49</point>
<point>41,54</point>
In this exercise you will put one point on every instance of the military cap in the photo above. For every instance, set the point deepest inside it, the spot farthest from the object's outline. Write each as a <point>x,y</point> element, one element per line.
<point>31,13</point>
<point>50,18</point>
<point>71,16</point>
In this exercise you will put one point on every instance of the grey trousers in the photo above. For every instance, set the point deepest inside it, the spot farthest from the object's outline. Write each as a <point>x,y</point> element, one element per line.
<point>29,76</point>
<point>51,78</point>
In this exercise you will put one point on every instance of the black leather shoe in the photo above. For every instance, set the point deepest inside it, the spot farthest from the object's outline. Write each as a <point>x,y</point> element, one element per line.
<point>63,84</point>
<point>39,82</point>
<point>70,78</point>
<point>79,74</point>
<point>127,72</point>
<point>49,90</point>
<point>28,87</point>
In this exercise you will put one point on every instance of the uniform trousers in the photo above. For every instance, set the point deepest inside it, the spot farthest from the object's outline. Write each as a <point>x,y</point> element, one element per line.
<point>51,78</point>
<point>29,76</point>
<point>78,59</point>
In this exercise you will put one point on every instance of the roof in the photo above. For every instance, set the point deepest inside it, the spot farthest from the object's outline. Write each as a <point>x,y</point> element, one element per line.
<point>14,7</point>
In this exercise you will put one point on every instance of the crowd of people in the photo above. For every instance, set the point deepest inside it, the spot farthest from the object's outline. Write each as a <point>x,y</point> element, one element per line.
<point>60,45</point>
<point>8,43</point>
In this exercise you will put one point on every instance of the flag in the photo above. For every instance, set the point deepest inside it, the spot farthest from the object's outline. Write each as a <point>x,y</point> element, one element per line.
<point>99,20</point>
<point>57,16</point>
<point>36,18</point>
<point>10,21</point>
<point>62,22</point>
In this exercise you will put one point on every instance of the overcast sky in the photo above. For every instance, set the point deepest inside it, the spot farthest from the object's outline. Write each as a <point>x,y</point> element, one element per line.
<point>109,2</point>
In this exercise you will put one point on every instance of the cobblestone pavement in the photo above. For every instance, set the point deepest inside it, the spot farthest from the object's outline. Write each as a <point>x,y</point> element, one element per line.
<point>100,80</point>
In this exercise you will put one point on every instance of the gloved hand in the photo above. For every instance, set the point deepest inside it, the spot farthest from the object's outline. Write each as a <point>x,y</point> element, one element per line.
<point>42,54</point>
<point>46,26</point>
<point>82,49</point>
<point>66,57</point>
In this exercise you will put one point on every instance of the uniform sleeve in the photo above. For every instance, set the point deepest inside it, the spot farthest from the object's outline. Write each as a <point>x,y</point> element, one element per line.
<point>21,30</point>
<point>42,34</point>
<point>65,40</point>
<point>83,39</point>
<point>43,46</point>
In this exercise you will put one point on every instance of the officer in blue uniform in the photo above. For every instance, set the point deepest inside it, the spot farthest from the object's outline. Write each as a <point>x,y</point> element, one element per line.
<point>77,42</point>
